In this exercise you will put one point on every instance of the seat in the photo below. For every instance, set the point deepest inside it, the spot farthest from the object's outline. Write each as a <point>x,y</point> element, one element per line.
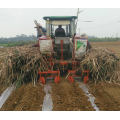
<point>60,32</point>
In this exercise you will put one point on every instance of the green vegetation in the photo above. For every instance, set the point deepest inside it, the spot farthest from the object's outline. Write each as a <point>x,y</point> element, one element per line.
<point>21,42</point>
<point>15,43</point>
<point>103,39</point>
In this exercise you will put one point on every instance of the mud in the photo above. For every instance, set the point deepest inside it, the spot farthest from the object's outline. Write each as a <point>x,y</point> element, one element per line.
<point>25,98</point>
<point>69,97</point>
<point>107,96</point>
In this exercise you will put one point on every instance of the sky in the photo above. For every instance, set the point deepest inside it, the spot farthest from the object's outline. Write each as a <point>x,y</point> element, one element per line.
<point>105,22</point>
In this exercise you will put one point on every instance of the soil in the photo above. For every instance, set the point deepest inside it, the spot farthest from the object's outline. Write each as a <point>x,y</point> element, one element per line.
<point>107,96</point>
<point>69,97</point>
<point>25,98</point>
<point>3,87</point>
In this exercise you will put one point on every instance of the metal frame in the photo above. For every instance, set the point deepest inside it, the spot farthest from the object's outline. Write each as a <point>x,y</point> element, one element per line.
<point>72,73</point>
<point>54,74</point>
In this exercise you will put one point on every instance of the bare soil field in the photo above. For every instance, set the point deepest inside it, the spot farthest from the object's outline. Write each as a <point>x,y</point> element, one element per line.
<point>69,97</point>
<point>25,98</point>
<point>65,96</point>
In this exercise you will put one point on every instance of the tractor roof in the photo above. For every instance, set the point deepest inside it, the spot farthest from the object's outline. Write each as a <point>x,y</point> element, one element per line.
<point>60,17</point>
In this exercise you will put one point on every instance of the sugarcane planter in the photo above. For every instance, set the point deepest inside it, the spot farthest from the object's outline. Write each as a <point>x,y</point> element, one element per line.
<point>62,50</point>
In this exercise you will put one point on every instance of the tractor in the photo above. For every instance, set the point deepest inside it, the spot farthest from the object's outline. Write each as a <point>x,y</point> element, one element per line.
<point>61,49</point>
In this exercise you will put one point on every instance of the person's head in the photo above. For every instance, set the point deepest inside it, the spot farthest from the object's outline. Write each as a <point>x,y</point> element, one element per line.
<point>39,24</point>
<point>60,26</point>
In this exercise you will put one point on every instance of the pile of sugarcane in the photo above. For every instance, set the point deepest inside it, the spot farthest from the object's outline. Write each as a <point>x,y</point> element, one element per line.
<point>22,65</point>
<point>102,64</point>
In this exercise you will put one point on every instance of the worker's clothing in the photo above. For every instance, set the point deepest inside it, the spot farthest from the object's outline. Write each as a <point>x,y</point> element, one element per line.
<point>59,32</point>
<point>43,30</point>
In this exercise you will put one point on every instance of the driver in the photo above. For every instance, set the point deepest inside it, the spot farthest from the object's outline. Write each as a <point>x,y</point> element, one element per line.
<point>60,31</point>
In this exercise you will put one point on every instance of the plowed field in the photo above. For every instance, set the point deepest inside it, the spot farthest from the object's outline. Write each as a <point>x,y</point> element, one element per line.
<point>66,96</point>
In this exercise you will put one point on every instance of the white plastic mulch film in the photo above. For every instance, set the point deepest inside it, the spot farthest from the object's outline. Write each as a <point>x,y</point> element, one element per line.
<point>80,47</point>
<point>45,47</point>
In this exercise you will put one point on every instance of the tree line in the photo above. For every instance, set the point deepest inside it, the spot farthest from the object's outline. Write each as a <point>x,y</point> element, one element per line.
<point>21,38</point>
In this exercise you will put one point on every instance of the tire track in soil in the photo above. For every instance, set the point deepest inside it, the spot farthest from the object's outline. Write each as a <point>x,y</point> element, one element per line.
<point>69,97</point>
<point>104,98</point>
<point>25,98</point>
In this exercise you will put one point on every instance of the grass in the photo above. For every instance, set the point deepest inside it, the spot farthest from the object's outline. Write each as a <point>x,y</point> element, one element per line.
<point>4,45</point>
<point>103,39</point>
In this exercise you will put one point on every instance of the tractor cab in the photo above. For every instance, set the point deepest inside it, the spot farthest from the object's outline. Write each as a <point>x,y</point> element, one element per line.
<point>61,29</point>
<point>60,26</point>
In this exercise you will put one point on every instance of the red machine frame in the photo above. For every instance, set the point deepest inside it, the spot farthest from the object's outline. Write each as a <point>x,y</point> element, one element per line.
<point>54,74</point>
<point>72,73</point>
